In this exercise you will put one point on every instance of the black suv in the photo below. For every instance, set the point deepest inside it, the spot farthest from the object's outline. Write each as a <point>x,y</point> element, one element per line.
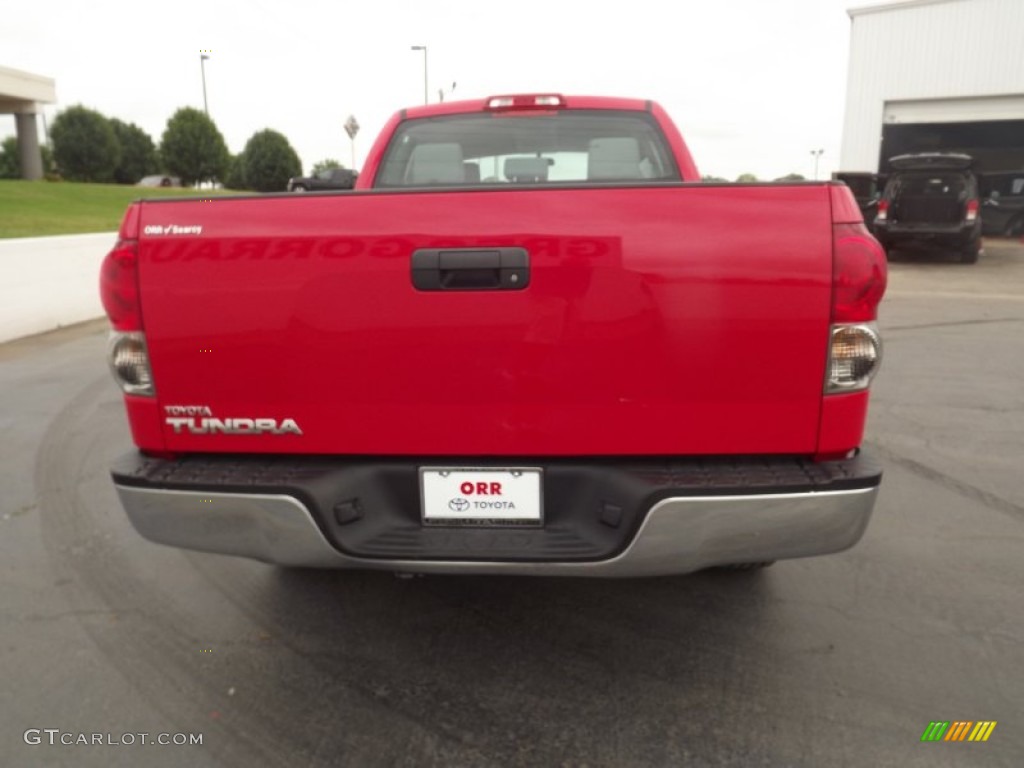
<point>866,189</point>
<point>930,202</point>
<point>330,178</point>
<point>1002,211</point>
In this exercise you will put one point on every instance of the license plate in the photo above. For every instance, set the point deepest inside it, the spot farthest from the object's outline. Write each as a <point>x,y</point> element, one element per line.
<point>486,497</point>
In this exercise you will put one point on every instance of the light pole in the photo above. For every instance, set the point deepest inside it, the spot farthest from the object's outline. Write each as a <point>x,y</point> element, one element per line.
<point>426,99</point>
<point>817,156</point>
<point>202,67</point>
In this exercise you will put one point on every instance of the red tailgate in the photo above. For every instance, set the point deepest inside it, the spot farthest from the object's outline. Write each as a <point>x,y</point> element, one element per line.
<point>681,319</point>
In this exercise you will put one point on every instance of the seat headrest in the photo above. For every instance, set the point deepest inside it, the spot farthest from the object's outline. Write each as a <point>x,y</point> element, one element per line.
<point>437,164</point>
<point>614,158</point>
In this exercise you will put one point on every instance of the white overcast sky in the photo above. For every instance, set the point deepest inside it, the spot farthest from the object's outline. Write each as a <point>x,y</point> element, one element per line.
<point>754,85</point>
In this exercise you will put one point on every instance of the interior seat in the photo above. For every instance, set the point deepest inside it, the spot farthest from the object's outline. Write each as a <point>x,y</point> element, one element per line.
<point>437,164</point>
<point>613,158</point>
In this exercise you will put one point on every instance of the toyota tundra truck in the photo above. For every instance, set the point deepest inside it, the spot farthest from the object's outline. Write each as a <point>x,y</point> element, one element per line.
<point>529,342</point>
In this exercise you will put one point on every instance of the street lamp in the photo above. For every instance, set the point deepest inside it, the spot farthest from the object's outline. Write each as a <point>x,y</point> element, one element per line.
<point>202,66</point>
<point>423,48</point>
<point>817,156</point>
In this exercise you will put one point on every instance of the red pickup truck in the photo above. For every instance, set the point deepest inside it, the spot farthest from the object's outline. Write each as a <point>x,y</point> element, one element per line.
<point>529,342</point>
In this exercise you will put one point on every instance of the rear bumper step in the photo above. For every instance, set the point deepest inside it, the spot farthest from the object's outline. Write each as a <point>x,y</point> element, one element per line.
<point>602,518</point>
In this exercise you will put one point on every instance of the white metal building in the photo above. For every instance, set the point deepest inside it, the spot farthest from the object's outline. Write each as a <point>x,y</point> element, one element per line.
<point>935,75</point>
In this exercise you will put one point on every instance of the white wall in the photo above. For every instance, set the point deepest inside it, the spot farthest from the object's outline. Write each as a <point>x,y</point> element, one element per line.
<point>929,49</point>
<point>49,282</point>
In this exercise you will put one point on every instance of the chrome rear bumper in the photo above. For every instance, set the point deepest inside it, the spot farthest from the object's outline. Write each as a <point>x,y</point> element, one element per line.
<point>677,535</point>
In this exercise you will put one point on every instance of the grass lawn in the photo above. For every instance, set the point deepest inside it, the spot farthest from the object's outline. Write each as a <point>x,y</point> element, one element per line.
<point>39,208</point>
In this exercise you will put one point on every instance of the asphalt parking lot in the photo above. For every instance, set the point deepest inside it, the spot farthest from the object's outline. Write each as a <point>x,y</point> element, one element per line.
<point>838,661</point>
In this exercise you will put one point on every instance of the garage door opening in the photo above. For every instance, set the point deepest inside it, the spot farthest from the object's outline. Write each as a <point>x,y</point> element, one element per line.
<point>996,145</point>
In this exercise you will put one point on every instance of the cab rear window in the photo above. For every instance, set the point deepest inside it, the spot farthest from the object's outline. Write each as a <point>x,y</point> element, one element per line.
<point>566,146</point>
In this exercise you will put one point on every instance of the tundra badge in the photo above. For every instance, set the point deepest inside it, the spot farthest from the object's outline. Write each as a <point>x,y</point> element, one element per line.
<point>199,420</point>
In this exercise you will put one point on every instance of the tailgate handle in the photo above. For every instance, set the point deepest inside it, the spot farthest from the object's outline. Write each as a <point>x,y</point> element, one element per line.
<point>470,269</point>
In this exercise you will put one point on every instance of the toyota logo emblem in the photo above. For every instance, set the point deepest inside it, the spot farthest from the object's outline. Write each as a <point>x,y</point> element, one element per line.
<point>458,505</point>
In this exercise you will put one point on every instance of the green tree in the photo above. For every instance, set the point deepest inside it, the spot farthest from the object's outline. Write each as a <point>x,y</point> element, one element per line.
<point>714,180</point>
<point>235,178</point>
<point>192,148</point>
<point>325,165</point>
<point>792,177</point>
<point>49,166</point>
<point>85,147</point>
<point>10,161</point>
<point>268,161</point>
<point>138,153</point>
<point>745,177</point>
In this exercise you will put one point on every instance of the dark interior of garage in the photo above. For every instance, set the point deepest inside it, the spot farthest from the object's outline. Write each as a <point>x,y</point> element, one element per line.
<point>996,145</point>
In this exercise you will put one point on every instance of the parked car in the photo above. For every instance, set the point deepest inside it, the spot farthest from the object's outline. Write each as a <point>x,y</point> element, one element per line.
<point>931,202</point>
<point>867,191</point>
<point>329,178</point>
<point>589,366</point>
<point>1002,209</point>
<point>159,180</point>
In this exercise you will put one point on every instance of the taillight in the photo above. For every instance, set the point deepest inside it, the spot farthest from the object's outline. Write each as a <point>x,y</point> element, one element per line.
<point>858,283</point>
<point>119,286</point>
<point>858,273</point>
<point>883,210</point>
<point>129,362</point>
<point>854,355</point>
<point>119,291</point>
<point>972,211</point>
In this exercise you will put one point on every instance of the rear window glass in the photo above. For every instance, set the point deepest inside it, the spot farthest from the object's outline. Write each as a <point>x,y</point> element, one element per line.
<point>578,146</point>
